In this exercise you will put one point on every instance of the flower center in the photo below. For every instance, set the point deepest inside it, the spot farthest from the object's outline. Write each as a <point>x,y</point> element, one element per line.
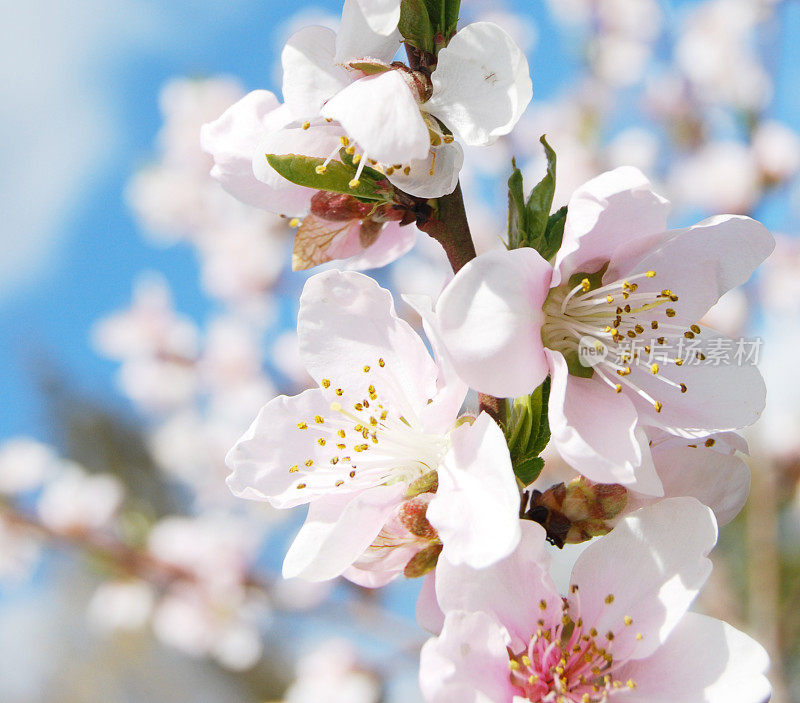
<point>371,437</point>
<point>568,663</point>
<point>601,329</point>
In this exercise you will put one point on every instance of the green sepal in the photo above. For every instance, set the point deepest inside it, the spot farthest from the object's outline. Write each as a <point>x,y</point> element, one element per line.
<point>554,233</point>
<point>541,200</point>
<point>517,213</point>
<point>301,170</point>
<point>528,432</point>
<point>415,25</point>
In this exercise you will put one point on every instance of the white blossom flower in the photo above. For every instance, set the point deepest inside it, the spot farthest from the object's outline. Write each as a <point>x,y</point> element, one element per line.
<point>622,629</point>
<point>612,321</point>
<point>377,431</point>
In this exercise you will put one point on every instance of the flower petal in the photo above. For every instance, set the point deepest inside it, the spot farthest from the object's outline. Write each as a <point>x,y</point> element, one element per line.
<point>700,263</point>
<point>382,116</point>
<point>368,30</point>
<point>513,589</point>
<point>346,324</point>
<point>434,176</point>
<point>481,85</point>
<point>705,660</point>
<point>594,430</point>
<point>646,571</point>
<point>475,510</point>
<point>429,615</point>
<point>280,195</point>
<point>392,242</point>
<point>606,213</point>
<point>311,75</point>
<point>718,397</point>
<point>231,140</point>
<point>261,460</point>
<point>467,663</point>
<point>490,317</point>
<point>337,530</point>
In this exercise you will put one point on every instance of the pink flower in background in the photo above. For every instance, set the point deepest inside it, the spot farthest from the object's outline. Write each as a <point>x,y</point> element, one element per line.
<point>622,630</point>
<point>629,292</point>
<point>378,431</point>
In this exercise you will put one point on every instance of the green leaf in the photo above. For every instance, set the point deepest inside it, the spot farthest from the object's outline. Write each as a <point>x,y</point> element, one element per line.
<point>528,470</point>
<point>554,233</point>
<point>415,24</point>
<point>517,213</point>
<point>541,200</point>
<point>451,11</point>
<point>336,178</point>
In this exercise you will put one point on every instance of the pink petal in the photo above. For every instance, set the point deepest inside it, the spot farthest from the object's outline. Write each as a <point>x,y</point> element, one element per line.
<point>511,590</point>
<point>347,323</point>
<point>608,212</point>
<point>475,509</point>
<point>705,660</point>
<point>594,430</point>
<point>311,76</point>
<point>490,317</point>
<point>391,244</point>
<point>337,530</point>
<point>700,263</point>
<point>382,116</point>
<point>429,615</point>
<point>467,663</point>
<point>649,568</point>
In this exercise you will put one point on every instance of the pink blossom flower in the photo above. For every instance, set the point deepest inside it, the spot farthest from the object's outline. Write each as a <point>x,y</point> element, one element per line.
<point>378,430</point>
<point>622,630</point>
<point>629,292</point>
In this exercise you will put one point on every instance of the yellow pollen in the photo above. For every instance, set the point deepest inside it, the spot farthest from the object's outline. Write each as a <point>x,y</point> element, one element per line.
<point>320,169</point>
<point>526,660</point>
<point>339,483</point>
<point>631,683</point>
<point>306,125</point>
<point>618,388</point>
<point>302,425</point>
<point>356,158</point>
<point>586,285</point>
<point>341,447</point>
<point>361,447</point>
<point>294,469</point>
<point>658,406</point>
<point>294,222</point>
<point>358,406</point>
<point>354,183</point>
<point>301,485</point>
<point>366,369</point>
<point>513,664</point>
<point>381,363</point>
<point>609,298</point>
<point>654,368</point>
<point>639,636</point>
<point>319,419</point>
<point>339,392</point>
<point>321,441</point>
<point>650,274</point>
<point>326,383</point>
<point>628,620</point>
<point>345,141</point>
<point>309,462</point>
<point>350,150</point>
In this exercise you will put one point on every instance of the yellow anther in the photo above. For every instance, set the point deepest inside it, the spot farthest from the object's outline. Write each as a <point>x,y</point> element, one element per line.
<point>344,141</point>
<point>381,363</point>
<point>628,620</point>
<point>654,325</point>
<point>609,298</point>
<point>339,392</point>
<point>710,442</point>
<point>320,169</point>
<point>688,335</point>
<point>618,388</point>
<point>326,383</point>
<point>294,469</point>
<point>294,222</point>
<point>309,462</point>
<point>339,483</point>
<point>670,312</point>
<point>586,285</point>
<point>354,183</point>
<point>654,368</point>
<point>356,158</point>
<point>658,406</point>
<point>650,274</point>
<point>306,125</point>
<point>678,362</point>
<point>630,683</point>
<point>319,419</point>
<point>609,599</point>
<point>301,485</point>
<point>513,664</point>
<point>302,425</point>
<point>543,604</point>
<point>361,447</point>
<point>407,170</point>
<point>695,329</point>
<point>526,660</point>
<point>625,371</point>
<point>683,388</point>
<point>350,150</point>
<point>639,636</point>
<point>321,441</point>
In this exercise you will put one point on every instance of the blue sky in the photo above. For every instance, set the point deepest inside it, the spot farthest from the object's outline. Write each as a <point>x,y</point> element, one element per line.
<point>82,116</point>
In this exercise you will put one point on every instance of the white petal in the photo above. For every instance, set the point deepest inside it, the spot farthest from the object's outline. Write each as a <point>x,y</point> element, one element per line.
<point>368,30</point>
<point>490,317</point>
<point>434,176</point>
<point>347,322</point>
<point>284,196</point>
<point>476,507</point>
<point>311,75</point>
<point>649,568</point>
<point>391,244</point>
<point>704,660</point>
<point>382,116</point>
<point>481,85</point>
<point>429,615</point>
<point>338,528</point>
<point>231,140</point>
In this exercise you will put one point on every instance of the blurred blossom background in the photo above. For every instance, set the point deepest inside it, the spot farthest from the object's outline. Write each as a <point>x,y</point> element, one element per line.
<point>145,316</point>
